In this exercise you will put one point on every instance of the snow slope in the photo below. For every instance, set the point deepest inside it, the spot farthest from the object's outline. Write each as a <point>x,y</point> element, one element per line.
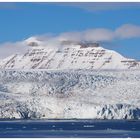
<point>69,94</point>
<point>69,55</point>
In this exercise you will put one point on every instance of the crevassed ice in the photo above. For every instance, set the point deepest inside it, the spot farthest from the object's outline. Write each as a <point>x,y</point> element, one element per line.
<point>69,94</point>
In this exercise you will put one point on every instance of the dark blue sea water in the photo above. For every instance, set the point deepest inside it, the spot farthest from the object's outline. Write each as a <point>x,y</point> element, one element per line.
<point>69,128</point>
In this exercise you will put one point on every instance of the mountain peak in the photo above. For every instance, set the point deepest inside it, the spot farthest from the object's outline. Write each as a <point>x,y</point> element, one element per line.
<point>83,44</point>
<point>33,42</point>
<point>69,55</point>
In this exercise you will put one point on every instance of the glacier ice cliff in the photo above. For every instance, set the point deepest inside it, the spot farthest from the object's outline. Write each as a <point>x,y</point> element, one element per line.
<point>68,94</point>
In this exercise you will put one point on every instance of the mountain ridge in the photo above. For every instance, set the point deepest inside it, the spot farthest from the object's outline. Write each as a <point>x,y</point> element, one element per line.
<point>69,55</point>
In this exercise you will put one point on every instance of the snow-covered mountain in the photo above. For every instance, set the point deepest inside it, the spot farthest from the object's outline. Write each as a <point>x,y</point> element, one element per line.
<point>69,55</point>
<point>65,81</point>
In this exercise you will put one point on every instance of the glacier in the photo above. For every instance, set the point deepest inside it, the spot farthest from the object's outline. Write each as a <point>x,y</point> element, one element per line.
<point>69,94</point>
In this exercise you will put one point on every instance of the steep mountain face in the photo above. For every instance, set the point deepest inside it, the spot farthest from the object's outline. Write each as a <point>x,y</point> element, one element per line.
<point>71,55</point>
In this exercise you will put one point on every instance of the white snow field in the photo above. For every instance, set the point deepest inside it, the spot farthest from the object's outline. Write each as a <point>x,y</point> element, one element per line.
<point>69,94</point>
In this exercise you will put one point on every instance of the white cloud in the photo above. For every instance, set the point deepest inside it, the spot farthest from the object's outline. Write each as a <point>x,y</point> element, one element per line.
<point>126,31</point>
<point>100,34</point>
<point>75,36</point>
<point>7,49</point>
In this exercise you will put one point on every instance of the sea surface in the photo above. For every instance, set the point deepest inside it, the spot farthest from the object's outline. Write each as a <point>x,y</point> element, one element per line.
<point>69,128</point>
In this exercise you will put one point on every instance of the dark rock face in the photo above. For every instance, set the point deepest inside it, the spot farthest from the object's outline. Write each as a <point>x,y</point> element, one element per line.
<point>33,44</point>
<point>88,44</point>
<point>83,44</point>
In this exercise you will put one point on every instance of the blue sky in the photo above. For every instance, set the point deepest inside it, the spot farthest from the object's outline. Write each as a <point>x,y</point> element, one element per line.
<point>19,21</point>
